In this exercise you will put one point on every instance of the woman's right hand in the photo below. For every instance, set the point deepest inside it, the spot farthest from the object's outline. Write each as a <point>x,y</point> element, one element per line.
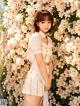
<point>47,85</point>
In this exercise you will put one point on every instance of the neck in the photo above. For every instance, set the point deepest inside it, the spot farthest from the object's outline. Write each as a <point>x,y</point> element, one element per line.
<point>43,34</point>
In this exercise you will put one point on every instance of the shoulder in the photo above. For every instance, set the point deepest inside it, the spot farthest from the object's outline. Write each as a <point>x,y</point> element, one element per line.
<point>35,35</point>
<point>35,38</point>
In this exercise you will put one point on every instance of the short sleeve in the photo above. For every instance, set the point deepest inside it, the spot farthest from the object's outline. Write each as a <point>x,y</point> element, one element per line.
<point>35,43</point>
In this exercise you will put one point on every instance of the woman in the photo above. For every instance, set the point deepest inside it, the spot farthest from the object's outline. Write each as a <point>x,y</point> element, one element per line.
<point>39,53</point>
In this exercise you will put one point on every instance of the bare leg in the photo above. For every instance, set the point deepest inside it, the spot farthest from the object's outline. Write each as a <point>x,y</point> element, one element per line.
<point>41,104</point>
<point>30,100</point>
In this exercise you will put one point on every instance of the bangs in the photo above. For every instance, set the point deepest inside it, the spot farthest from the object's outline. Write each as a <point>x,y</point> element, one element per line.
<point>44,17</point>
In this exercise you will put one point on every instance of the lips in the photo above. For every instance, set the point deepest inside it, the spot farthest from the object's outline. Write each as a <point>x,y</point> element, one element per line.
<point>46,29</point>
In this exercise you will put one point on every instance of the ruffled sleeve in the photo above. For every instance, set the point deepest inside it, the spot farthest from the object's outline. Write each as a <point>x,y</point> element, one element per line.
<point>35,43</point>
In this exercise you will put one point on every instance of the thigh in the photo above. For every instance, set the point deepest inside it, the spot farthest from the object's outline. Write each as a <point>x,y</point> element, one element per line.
<point>30,100</point>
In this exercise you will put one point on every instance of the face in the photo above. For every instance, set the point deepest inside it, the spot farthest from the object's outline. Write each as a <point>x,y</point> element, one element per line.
<point>44,26</point>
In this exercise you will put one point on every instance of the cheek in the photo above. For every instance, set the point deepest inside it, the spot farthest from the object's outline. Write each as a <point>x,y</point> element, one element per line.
<point>49,25</point>
<point>40,25</point>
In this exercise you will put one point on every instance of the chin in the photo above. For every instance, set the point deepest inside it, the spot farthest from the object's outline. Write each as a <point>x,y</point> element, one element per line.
<point>45,31</point>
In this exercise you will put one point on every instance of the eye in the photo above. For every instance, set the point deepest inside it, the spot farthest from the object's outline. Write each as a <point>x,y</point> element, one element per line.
<point>49,21</point>
<point>42,22</point>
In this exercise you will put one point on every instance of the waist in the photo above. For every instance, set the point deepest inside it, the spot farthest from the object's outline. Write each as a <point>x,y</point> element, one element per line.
<point>35,71</point>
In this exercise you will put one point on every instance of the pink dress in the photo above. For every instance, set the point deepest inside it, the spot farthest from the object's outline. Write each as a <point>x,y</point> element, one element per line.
<point>34,82</point>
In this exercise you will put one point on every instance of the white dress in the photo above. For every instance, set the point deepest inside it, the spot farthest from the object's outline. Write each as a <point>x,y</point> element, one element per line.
<point>34,82</point>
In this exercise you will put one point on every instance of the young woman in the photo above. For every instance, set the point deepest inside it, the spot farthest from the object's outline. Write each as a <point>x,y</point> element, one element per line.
<point>39,53</point>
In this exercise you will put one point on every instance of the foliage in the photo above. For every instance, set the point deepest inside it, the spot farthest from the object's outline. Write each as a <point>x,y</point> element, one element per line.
<point>5,2</point>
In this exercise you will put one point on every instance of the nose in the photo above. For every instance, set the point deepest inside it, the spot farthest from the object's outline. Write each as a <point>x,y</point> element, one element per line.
<point>46,24</point>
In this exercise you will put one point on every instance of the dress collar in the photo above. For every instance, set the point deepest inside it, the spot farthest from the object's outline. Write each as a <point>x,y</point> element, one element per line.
<point>42,34</point>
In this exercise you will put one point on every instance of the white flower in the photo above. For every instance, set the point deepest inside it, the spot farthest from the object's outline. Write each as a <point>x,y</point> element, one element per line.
<point>75,101</point>
<point>63,25</point>
<point>19,61</point>
<point>12,42</point>
<point>30,11</point>
<point>77,29</point>
<point>68,59</point>
<point>70,47</point>
<point>68,1</point>
<point>27,37</point>
<point>73,73</point>
<point>66,40</point>
<point>10,30</point>
<point>19,17</point>
<point>43,1</point>
<point>18,36</point>
<point>78,13</point>
<point>14,67</point>
<point>23,28</point>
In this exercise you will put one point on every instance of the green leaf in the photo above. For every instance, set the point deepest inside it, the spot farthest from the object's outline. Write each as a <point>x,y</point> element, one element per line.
<point>5,2</point>
<point>1,70</point>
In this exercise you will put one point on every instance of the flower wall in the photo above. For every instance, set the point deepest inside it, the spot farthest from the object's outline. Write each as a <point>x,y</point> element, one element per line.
<point>18,20</point>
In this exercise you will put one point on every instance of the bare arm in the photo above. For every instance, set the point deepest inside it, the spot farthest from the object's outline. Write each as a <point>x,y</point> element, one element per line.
<point>51,66</point>
<point>43,70</point>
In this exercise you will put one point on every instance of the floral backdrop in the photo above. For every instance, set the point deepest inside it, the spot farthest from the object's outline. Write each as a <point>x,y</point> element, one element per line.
<point>18,21</point>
